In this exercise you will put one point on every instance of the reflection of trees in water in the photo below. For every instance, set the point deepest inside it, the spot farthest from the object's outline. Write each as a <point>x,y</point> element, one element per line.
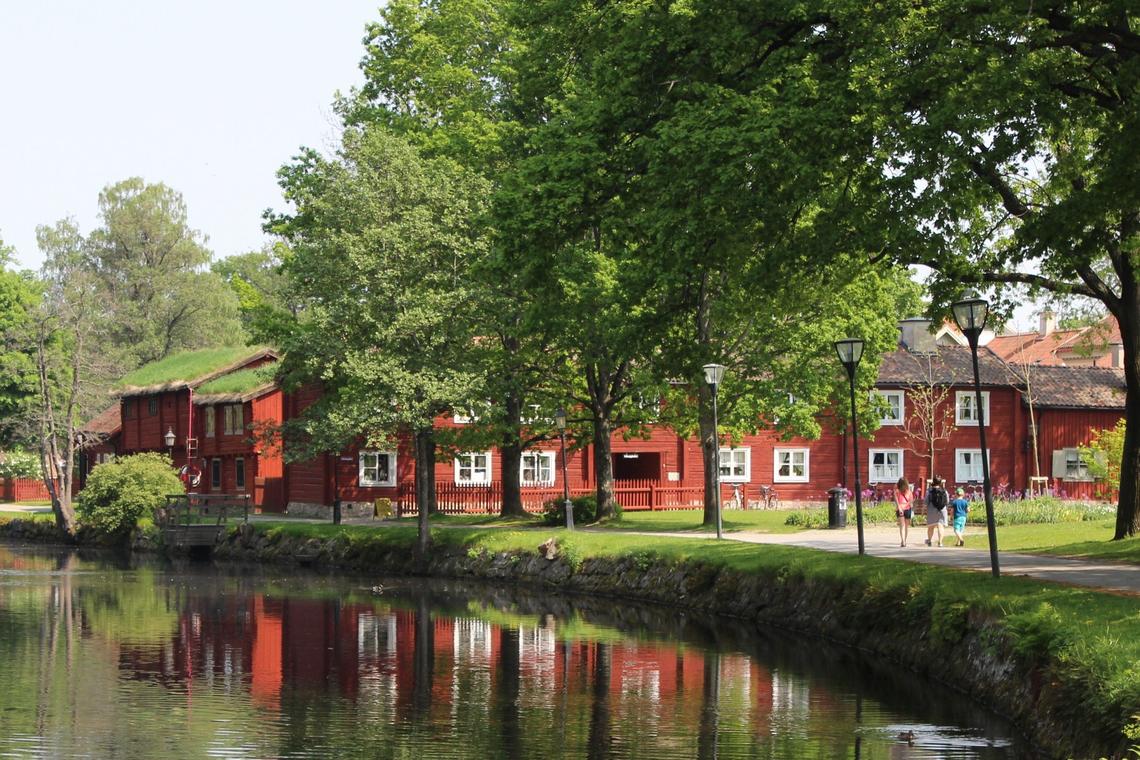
<point>601,729</point>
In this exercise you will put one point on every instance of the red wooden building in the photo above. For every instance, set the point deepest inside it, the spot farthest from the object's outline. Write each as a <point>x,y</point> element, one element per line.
<point>218,404</point>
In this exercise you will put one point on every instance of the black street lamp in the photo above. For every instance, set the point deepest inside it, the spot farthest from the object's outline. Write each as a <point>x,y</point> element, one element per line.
<point>560,421</point>
<point>971,313</point>
<point>714,373</point>
<point>850,351</point>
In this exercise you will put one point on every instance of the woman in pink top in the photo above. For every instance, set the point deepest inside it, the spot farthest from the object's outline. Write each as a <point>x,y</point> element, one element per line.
<point>904,508</point>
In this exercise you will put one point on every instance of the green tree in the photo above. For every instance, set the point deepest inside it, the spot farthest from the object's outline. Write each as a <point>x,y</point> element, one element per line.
<point>154,270</point>
<point>383,240</point>
<point>1005,155</point>
<point>441,75</point>
<point>19,297</point>
<point>258,280</point>
<point>75,362</point>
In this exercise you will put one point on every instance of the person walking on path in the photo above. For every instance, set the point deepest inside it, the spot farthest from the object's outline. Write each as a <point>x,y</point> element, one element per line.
<point>904,508</point>
<point>960,507</point>
<point>937,500</point>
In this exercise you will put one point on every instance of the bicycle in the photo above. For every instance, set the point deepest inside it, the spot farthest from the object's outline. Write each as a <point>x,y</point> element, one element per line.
<point>769,498</point>
<point>736,501</point>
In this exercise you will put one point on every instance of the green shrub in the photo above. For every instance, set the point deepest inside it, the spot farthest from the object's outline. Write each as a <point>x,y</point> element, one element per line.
<point>585,510</point>
<point>119,493</point>
<point>19,464</point>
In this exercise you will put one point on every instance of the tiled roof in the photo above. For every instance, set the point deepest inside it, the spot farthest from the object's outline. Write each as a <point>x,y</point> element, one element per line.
<point>951,365</point>
<point>1077,387</point>
<point>107,422</point>
<point>1054,348</point>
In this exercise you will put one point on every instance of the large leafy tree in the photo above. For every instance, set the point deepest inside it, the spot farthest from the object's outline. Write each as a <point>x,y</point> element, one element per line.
<point>1006,147</point>
<point>258,280</point>
<point>442,75</point>
<point>383,240</point>
<point>153,268</point>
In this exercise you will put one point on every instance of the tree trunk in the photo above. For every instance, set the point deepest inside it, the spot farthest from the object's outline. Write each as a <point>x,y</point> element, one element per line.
<point>511,451</point>
<point>710,452</point>
<point>425,485</point>
<point>604,464</point>
<point>1127,516</point>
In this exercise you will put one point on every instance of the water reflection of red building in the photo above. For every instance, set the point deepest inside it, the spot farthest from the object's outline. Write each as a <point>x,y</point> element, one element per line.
<point>411,661</point>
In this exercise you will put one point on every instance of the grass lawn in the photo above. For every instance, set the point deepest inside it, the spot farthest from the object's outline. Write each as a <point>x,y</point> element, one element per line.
<point>1088,540</point>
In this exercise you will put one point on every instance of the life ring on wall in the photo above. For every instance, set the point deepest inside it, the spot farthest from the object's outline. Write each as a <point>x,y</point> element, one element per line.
<point>190,475</point>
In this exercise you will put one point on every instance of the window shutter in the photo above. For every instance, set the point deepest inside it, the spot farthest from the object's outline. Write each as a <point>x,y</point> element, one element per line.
<point>1059,463</point>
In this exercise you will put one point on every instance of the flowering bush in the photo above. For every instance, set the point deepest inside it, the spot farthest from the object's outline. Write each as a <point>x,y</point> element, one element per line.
<point>19,464</point>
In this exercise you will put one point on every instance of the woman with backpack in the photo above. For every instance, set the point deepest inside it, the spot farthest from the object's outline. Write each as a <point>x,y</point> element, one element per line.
<point>936,502</point>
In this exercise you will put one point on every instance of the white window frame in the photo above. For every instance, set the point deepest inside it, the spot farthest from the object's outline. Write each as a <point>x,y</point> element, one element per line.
<point>233,419</point>
<point>738,468</point>
<point>211,422</point>
<point>479,475</point>
<point>363,478</point>
<point>887,396</point>
<point>884,477</point>
<point>791,478</point>
<point>1073,459</point>
<point>958,408</point>
<point>958,465</point>
<point>239,483</point>
<point>543,464</point>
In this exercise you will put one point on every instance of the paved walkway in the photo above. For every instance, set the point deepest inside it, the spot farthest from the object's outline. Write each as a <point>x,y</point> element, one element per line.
<point>884,542</point>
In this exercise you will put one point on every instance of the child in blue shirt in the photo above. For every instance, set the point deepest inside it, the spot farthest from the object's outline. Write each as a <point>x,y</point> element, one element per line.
<point>959,507</point>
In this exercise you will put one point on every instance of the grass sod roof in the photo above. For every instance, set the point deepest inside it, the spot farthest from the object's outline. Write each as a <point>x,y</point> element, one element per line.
<point>187,368</point>
<point>236,386</point>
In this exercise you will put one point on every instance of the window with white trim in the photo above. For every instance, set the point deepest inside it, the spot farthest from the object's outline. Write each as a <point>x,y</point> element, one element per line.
<point>473,468</point>
<point>376,469</point>
<point>791,466</point>
<point>1068,464</point>
<point>894,409</point>
<point>886,465</point>
<point>965,408</point>
<point>537,468</point>
<point>968,466</point>
<point>211,422</point>
<point>735,465</point>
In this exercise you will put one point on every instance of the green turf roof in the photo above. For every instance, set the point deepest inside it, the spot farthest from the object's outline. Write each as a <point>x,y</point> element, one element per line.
<point>242,381</point>
<point>187,366</point>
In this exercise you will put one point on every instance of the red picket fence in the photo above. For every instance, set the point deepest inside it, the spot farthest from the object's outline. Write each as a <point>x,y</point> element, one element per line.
<point>23,489</point>
<point>633,495</point>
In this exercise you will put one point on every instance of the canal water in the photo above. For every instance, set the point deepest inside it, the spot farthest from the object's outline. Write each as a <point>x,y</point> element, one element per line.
<point>100,658</point>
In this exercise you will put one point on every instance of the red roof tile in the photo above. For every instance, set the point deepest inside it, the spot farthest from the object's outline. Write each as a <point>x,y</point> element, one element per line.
<point>1077,387</point>
<point>107,422</point>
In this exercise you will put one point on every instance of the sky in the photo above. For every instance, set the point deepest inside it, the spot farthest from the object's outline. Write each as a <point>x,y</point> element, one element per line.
<point>210,97</point>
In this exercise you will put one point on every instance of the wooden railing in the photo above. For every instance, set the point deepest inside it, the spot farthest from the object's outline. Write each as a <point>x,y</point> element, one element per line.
<point>186,509</point>
<point>633,495</point>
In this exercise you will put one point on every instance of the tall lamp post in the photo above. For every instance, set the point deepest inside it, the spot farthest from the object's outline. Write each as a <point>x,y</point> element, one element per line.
<point>971,313</point>
<point>567,505</point>
<point>168,439</point>
<point>714,373</point>
<point>850,351</point>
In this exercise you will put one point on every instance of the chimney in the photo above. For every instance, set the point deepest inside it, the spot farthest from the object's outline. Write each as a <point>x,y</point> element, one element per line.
<point>1048,323</point>
<point>1117,352</point>
<point>917,337</point>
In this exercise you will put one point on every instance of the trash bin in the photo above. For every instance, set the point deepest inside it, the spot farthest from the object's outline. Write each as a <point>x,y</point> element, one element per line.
<point>837,508</point>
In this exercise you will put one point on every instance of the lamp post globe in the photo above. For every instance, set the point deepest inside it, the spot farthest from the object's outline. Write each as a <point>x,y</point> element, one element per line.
<point>169,439</point>
<point>850,351</point>
<point>971,313</point>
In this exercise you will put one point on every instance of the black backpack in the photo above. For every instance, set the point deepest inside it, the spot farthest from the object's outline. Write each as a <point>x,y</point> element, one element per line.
<point>938,498</point>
